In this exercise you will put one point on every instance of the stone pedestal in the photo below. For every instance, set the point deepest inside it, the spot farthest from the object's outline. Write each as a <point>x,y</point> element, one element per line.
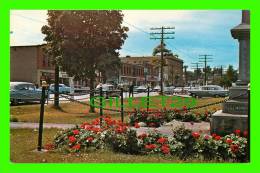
<point>224,123</point>
<point>235,111</point>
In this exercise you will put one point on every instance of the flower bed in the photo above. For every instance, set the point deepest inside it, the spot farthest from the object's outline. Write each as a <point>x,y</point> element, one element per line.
<point>160,117</point>
<point>120,138</point>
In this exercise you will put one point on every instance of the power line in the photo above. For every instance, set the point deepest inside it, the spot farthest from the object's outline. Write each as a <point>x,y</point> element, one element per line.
<point>29,18</point>
<point>205,60</point>
<point>140,29</point>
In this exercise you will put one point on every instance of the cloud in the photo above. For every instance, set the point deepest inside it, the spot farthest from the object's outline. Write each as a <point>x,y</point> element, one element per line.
<point>196,32</point>
<point>26,26</point>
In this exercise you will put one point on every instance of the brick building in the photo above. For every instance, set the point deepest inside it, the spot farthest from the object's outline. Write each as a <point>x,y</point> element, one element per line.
<point>29,64</point>
<point>141,70</point>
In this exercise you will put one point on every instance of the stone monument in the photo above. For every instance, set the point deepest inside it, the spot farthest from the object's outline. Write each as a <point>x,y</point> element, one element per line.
<point>235,111</point>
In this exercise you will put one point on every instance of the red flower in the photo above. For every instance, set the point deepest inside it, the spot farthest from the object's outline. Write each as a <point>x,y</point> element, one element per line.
<point>234,148</point>
<point>76,132</point>
<point>121,129</point>
<point>95,129</point>
<point>150,146</point>
<point>245,133</point>
<point>176,110</point>
<point>237,132</point>
<point>142,136</point>
<point>72,139</point>
<point>96,121</point>
<point>165,149</point>
<point>217,138</point>
<point>195,135</point>
<point>206,137</point>
<point>76,147</point>
<point>229,141</point>
<point>214,135</point>
<point>137,125</point>
<point>184,108</point>
<point>162,140</point>
<point>90,139</point>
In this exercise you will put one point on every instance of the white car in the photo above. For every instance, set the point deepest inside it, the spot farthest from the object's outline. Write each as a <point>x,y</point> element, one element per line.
<point>209,91</point>
<point>141,89</point>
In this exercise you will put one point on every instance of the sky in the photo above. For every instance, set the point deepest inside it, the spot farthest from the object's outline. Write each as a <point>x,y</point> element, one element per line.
<point>196,33</point>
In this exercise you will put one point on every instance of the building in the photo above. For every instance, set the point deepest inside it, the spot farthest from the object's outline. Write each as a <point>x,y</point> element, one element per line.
<point>137,74</point>
<point>29,64</point>
<point>141,70</point>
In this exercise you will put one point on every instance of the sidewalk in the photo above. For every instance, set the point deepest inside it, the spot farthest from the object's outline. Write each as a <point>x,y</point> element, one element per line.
<point>202,127</point>
<point>21,125</point>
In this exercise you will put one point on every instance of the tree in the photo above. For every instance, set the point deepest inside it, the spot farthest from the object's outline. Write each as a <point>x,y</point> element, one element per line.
<point>166,52</point>
<point>229,77</point>
<point>52,49</point>
<point>88,41</point>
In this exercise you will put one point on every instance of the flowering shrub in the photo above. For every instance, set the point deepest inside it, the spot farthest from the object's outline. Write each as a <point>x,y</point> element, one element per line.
<point>162,116</point>
<point>120,138</point>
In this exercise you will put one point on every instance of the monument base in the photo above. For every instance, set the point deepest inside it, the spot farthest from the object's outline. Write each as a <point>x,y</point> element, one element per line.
<point>225,123</point>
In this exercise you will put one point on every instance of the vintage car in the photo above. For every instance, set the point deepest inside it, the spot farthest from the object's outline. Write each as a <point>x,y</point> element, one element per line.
<point>62,89</point>
<point>209,91</point>
<point>24,92</point>
<point>108,90</point>
<point>141,89</point>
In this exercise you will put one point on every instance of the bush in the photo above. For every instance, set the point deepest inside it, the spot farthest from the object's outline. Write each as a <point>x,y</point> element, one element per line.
<point>184,136</point>
<point>163,116</point>
<point>183,143</point>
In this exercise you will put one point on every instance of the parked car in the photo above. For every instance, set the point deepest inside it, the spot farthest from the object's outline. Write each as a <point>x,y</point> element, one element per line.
<point>168,90</point>
<point>108,90</point>
<point>141,89</point>
<point>24,92</point>
<point>62,89</point>
<point>157,88</point>
<point>209,91</point>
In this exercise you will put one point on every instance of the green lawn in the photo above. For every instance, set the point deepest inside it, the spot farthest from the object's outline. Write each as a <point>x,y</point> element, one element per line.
<point>24,151</point>
<point>75,113</point>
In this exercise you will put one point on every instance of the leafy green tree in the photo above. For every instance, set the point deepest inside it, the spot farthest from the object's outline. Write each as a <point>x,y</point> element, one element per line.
<point>229,77</point>
<point>166,52</point>
<point>87,41</point>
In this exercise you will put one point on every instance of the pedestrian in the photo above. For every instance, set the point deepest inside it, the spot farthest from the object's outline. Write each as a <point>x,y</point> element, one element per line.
<point>131,90</point>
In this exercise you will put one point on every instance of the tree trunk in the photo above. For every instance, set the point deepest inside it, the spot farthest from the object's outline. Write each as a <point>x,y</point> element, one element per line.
<point>92,94</point>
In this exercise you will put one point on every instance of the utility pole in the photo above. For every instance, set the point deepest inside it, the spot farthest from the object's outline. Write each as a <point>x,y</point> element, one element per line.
<point>197,70</point>
<point>185,73</point>
<point>162,38</point>
<point>221,71</point>
<point>205,60</point>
